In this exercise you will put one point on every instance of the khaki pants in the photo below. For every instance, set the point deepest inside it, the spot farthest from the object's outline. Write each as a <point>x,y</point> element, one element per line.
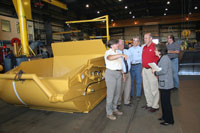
<point>113,83</point>
<point>126,89</point>
<point>150,85</point>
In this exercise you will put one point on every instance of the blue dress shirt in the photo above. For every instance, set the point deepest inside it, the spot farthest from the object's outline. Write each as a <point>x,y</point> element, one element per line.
<point>136,54</point>
<point>126,52</point>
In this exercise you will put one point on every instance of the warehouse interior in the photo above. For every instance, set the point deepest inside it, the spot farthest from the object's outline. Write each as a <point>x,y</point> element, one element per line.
<point>52,67</point>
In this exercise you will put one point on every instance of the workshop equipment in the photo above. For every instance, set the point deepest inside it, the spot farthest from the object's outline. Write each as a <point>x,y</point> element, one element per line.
<point>71,81</point>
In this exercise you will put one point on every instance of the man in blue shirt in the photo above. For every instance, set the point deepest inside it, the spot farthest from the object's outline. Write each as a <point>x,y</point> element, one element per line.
<point>136,67</point>
<point>126,80</point>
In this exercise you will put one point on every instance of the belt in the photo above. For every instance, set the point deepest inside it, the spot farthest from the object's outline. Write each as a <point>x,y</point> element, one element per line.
<point>135,64</point>
<point>117,70</point>
<point>147,67</point>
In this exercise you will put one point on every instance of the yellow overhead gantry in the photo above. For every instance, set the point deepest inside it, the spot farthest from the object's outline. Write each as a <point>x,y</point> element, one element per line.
<point>99,19</point>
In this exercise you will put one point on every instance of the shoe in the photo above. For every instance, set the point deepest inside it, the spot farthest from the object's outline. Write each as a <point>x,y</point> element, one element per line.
<point>166,123</point>
<point>118,113</point>
<point>138,98</point>
<point>132,98</point>
<point>153,110</point>
<point>118,106</point>
<point>160,119</point>
<point>146,107</point>
<point>111,117</point>
<point>129,105</point>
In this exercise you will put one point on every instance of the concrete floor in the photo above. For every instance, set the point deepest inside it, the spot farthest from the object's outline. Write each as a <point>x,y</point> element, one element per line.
<point>185,104</point>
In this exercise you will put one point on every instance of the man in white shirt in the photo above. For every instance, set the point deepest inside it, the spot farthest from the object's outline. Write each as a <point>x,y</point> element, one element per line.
<point>126,80</point>
<point>113,77</point>
<point>136,67</point>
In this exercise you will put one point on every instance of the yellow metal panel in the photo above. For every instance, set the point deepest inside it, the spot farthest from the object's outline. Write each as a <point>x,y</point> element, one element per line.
<point>56,3</point>
<point>85,47</point>
<point>27,8</point>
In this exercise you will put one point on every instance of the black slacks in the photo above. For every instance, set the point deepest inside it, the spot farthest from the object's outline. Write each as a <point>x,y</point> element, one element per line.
<point>167,113</point>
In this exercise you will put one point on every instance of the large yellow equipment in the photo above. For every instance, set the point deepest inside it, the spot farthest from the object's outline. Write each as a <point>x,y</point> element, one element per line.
<point>71,81</point>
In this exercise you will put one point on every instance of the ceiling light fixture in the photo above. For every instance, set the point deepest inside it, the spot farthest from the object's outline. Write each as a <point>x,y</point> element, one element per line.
<point>190,13</point>
<point>166,9</point>
<point>195,7</point>
<point>98,12</point>
<point>168,2</point>
<point>133,17</point>
<point>119,0</point>
<point>130,12</point>
<point>186,18</point>
<point>87,5</point>
<point>126,7</point>
<point>165,14</point>
<point>112,20</point>
<point>135,22</point>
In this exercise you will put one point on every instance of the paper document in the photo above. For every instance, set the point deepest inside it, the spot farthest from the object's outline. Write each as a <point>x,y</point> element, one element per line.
<point>154,67</point>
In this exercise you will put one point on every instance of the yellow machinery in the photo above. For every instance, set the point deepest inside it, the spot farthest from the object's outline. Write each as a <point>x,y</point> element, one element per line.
<point>71,81</point>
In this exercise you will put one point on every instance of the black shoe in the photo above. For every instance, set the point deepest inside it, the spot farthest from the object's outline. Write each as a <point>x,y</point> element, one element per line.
<point>153,110</point>
<point>166,123</point>
<point>160,119</point>
<point>118,106</point>
<point>130,104</point>
<point>146,107</point>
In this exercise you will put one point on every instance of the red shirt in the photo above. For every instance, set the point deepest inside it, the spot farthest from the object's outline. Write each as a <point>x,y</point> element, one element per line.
<point>149,56</point>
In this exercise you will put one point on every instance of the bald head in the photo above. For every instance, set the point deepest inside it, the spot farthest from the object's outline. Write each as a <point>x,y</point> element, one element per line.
<point>148,39</point>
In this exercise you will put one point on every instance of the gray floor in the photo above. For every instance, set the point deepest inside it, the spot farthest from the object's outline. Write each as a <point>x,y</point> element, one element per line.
<point>185,103</point>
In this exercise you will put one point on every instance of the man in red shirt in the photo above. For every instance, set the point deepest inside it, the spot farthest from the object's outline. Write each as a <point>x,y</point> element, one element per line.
<point>150,81</point>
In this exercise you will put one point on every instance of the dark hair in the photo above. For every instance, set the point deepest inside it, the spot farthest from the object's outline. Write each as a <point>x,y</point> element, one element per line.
<point>172,37</point>
<point>111,42</point>
<point>162,48</point>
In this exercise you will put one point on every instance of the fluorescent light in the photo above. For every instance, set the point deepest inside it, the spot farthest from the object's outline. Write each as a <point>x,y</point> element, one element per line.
<point>87,5</point>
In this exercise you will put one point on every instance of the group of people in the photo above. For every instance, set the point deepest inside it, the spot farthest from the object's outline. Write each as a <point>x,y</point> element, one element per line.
<point>123,66</point>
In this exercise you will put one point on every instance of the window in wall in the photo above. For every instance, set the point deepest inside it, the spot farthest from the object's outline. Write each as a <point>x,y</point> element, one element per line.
<point>5,26</point>
<point>156,41</point>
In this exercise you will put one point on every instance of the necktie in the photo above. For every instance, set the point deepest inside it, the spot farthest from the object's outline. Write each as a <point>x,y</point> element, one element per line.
<point>126,64</point>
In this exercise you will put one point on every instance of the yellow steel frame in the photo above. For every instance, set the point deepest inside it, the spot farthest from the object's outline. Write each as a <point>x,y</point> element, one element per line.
<point>66,32</point>
<point>56,3</point>
<point>23,28</point>
<point>99,19</point>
